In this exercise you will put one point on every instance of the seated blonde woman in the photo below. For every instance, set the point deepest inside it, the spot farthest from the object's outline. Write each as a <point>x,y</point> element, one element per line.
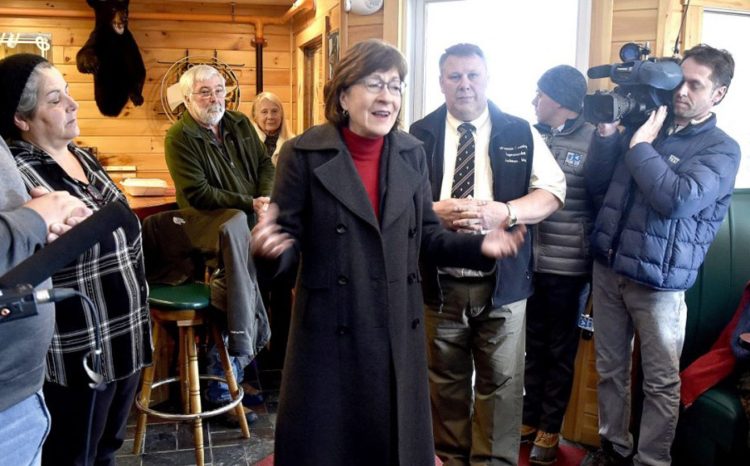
<point>270,124</point>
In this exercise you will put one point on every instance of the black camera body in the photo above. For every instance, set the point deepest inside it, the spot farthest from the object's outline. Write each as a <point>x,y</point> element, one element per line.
<point>644,84</point>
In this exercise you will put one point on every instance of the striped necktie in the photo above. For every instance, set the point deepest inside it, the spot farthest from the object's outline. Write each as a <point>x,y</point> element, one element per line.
<point>463,176</point>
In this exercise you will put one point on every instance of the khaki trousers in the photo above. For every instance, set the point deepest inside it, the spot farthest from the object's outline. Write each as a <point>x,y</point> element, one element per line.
<point>476,366</point>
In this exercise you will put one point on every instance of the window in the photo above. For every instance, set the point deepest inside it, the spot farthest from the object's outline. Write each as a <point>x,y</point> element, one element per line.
<point>731,31</point>
<point>520,40</point>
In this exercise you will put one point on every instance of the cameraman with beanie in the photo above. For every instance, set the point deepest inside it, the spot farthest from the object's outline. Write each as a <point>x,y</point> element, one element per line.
<point>562,265</point>
<point>665,189</point>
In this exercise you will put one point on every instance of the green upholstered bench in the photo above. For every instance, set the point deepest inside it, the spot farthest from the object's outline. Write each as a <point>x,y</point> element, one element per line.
<point>713,431</point>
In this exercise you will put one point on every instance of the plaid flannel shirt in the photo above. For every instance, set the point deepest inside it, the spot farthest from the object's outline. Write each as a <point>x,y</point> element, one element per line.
<point>111,274</point>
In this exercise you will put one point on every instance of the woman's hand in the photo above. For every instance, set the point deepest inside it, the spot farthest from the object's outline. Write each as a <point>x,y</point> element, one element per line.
<point>267,238</point>
<point>500,243</point>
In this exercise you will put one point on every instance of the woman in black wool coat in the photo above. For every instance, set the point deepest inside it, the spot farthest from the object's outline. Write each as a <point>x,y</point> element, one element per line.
<point>355,207</point>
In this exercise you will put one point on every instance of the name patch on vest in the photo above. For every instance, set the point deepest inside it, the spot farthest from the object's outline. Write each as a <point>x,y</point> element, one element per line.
<point>515,154</point>
<point>673,159</point>
<point>573,159</point>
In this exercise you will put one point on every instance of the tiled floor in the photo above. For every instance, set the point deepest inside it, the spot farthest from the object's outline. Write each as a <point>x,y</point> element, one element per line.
<point>170,443</point>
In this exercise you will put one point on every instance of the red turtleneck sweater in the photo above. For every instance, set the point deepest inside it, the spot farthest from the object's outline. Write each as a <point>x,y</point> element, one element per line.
<point>366,155</point>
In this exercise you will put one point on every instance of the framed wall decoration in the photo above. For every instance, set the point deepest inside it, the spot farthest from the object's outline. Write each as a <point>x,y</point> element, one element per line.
<point>333,52</point>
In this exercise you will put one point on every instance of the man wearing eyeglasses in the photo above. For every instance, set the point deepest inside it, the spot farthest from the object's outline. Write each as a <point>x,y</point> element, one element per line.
<point>488,170</point>
<point>217,161</point>
<point>214,156</point>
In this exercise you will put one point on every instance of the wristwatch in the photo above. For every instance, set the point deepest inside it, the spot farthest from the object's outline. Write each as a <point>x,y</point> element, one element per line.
<point>512,219</point>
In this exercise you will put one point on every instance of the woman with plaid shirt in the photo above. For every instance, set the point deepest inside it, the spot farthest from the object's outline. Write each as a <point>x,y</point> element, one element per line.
<point>111,273</point>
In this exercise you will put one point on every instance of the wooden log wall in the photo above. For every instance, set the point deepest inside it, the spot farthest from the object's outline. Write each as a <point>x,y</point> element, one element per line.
<point>363,27</point>
<point>694,23</point>
<point>136,137</point>
<point>616,22</point>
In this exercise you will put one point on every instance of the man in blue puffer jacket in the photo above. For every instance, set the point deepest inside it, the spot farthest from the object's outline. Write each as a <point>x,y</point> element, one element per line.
<point>664,190</point>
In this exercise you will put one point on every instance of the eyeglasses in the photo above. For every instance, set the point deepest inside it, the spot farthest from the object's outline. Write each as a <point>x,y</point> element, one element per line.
<point>206,93</point>
<point>376,86</point>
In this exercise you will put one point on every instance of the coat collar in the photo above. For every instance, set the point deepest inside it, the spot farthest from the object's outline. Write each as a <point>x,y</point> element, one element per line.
<point>403,178</point>
<point>337,173</point>
<point>570,126</point>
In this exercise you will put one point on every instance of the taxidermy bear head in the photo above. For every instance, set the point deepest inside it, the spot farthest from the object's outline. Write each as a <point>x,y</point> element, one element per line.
<point>113,12</point>
<point>112,56</point>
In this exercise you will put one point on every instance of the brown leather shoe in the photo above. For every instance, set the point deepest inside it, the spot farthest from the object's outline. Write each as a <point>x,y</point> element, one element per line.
<point>528,433</point>
<point>544,451</point>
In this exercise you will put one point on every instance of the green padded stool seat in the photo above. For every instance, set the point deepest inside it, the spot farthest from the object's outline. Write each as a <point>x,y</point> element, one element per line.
<point>187,306</point>
<point>187,296</point>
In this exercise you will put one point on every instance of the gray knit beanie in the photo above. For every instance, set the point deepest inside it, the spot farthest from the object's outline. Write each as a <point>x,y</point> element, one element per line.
<point>565,85</point>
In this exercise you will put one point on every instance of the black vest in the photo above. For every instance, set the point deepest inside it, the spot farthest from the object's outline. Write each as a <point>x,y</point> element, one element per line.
<point>511,151</point>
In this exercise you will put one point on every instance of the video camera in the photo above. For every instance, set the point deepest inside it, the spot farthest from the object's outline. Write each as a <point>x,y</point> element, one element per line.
<point>644,84</point>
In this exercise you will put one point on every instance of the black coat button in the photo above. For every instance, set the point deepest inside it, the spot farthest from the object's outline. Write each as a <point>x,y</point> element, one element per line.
<point>342,330</point>
<point>415,323</point>
<point>412,232</point>
<point>412,278</point>
<point>343,280</point>
<point>341,228</point>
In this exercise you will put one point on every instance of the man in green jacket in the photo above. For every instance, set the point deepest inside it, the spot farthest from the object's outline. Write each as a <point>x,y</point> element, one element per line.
<point>214,156</point>
<point>217,161</point>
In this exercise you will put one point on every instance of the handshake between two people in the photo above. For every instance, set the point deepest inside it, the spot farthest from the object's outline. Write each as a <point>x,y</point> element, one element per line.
<point>463,215</point>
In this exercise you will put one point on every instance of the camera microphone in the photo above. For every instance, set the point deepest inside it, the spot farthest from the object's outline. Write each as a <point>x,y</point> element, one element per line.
<point>18,298</point>
<point>53,295</point>
<point>64,250</point>
<point>21,301</point>
<point>598,72</point>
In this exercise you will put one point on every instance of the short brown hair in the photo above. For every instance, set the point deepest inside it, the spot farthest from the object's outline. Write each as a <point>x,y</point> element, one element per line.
<point>720,61</point>
<point>362,59</point>
<point>461,50</point>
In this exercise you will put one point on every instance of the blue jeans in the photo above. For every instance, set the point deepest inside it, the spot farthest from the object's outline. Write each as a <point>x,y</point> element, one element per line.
<point>23,428</point>
<point>622,306</point>
<point>219,391</point>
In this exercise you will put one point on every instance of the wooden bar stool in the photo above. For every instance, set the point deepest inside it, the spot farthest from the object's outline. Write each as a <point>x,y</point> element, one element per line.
<point>186,306</point>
